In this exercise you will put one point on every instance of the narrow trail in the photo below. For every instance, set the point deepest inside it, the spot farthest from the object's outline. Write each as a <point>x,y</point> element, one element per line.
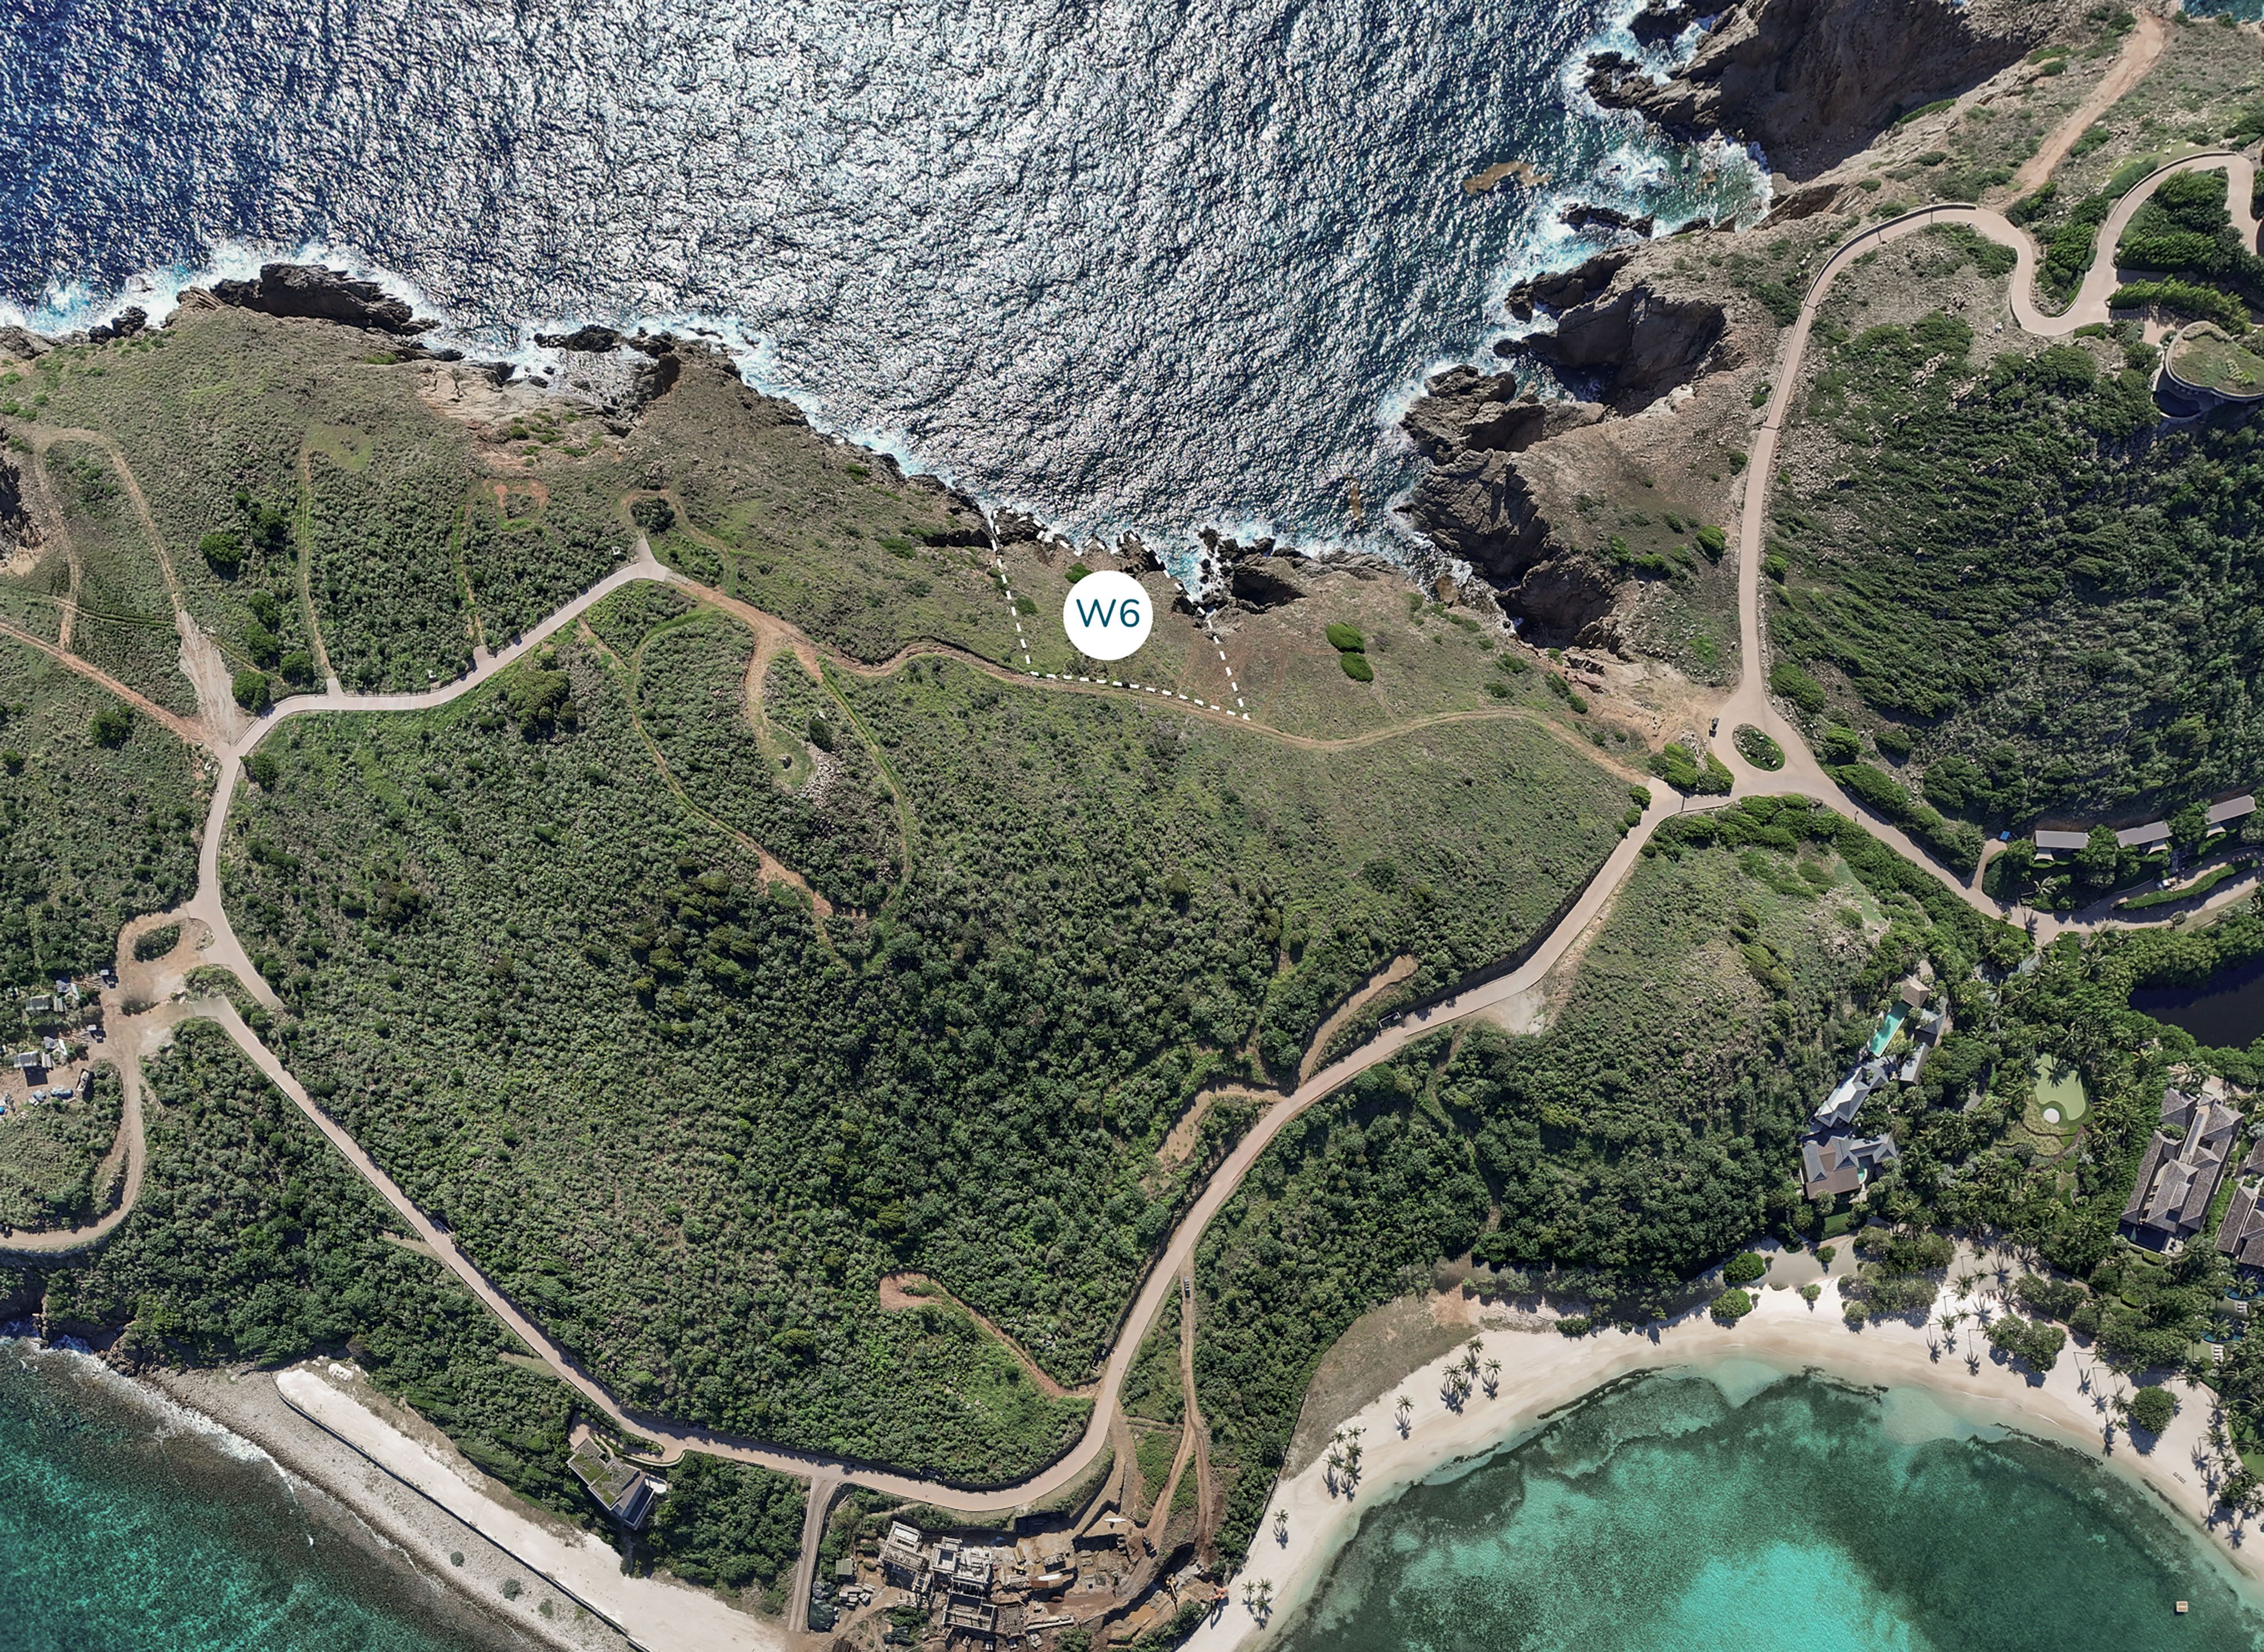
<point>306,571</point>
<point>1197,1433</point>
<point>194,734</point>
<point>2142,49</point>
<point>896,1296</point>
<point>1748,702</point>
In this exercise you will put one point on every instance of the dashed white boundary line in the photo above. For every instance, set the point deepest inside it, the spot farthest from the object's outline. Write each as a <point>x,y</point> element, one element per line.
<point>1013,610</point>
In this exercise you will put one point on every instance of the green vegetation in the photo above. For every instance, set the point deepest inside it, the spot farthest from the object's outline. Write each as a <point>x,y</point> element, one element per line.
<point>1730,1306</point>
<point>2050,610</point>
<point>97,820</point>
<point>2060,1088</point>
<point>1689,773</point>
<point>837,826</point>
<point>253,1241</point>
<point>1745,1268</point>
<point>49,1154</point>
<point>2185,228</point>
<point>1357,668</point>
<point>2151,1409</point>
<point>731,1527</point>
<point>2205,356</point>
<point>1758,748</point>
<point>1152,1389</point>
<point>2196,890</point>
<point>2188,298</point>
<point>1645,1134</point>
<point>2038,1343</point>
<point>1346,639</point>
<point>1900,1274</point>
<point>155,943</point>
<point>579,1027</point>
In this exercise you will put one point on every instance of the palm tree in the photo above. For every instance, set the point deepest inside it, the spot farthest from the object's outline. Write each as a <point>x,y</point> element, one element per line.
<point>1964,1286</point>
<point>1492,1376</point>
<point>1405,1407</point>
<point>1281,1525</point>
<point>1949,1318</point>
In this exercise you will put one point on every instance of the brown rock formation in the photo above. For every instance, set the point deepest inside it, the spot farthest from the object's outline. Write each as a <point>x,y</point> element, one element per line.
<point>1477,504</point>
<point>310,290</point>
<point>1813,81</point>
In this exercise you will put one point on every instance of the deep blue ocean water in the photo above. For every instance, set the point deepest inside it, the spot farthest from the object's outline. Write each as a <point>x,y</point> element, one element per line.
<point>125,1527</point>
<point>1673,1514</point>
<point>1147,265</point>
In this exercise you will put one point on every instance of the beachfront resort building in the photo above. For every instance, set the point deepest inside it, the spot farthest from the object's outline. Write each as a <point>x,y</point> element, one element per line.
<point>2240,1236</point>
<point>2180,1174</point>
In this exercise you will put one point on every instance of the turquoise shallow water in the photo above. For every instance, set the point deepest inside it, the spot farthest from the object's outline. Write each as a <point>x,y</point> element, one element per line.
<point>1662,1517</point>
<point>123,1527</point>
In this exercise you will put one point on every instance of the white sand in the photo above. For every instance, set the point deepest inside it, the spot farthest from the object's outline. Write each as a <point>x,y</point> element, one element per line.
<point>1542,1372</point>
<point>656,1612</point>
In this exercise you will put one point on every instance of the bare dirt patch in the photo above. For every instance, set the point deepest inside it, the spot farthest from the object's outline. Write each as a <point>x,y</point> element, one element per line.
<point>1383,1345</point>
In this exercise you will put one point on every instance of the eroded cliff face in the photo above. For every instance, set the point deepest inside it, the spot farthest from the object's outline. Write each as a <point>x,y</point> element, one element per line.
<point>1813,81</point>
<point>1506,466</point>
<point>1476,502</point>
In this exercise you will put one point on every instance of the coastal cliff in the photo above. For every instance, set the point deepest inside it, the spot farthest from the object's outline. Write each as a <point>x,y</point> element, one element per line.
<point>1813,82</point>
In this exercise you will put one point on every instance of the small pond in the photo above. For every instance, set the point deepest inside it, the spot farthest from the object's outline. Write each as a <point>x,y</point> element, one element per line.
<point>2227,1010</point>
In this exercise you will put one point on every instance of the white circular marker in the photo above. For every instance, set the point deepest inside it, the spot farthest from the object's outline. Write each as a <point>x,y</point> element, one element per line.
<point>2051,1115</point>
<point>1107,615</point>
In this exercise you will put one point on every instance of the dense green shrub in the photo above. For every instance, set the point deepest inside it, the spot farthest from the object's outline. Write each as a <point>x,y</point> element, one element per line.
<point>2038,1343</point>
<point>2018,581</point>
<point>1788,681</point>
<point>744,1113</point>
<point>2151,1408</point>
<point>1688,772</point>
<point>2188,298</point>
<point>253,1241</point>
<point>1744,1268</point>
<point>1357,668</point>
<point>1730,1306</point>
<point>1608,1183</point>
<point>1346,639</point>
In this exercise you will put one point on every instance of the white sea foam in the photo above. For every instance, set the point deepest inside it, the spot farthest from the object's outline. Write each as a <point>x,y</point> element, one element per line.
<point>1126,270</point>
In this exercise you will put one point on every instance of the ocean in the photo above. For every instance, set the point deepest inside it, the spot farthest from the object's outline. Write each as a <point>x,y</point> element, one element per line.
<point>127,1525</point>
<point>1669,1513</point>
<point>1148,267</point>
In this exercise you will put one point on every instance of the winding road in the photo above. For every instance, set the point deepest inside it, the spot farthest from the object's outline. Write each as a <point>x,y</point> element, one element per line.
<point>133,1034</point>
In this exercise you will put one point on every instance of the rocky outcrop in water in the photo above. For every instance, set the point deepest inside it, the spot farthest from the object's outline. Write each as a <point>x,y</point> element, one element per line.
<point>1814,81</point>
<point>1659,22</point>
<point>1581,215</point>
<point>310,291</point>
<point>1566,287</point>
<point>128,322</point>
<point>1637,343</point>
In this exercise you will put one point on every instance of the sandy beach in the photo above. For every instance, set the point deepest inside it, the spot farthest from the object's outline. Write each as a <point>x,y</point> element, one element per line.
<point>1542,1372</point>
<point>423,1502</point>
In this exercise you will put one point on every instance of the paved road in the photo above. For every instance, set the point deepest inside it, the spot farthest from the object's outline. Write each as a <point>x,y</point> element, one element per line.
<point>1748,702</point>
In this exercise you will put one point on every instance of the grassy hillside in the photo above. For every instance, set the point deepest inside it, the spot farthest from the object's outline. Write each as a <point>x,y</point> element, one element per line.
<point>98,823</point>
<point>1647,1133</point>
<point>690,1126</point>
<point>2027,595</point>
<point>48,1153</point>
<point>303,488</point>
